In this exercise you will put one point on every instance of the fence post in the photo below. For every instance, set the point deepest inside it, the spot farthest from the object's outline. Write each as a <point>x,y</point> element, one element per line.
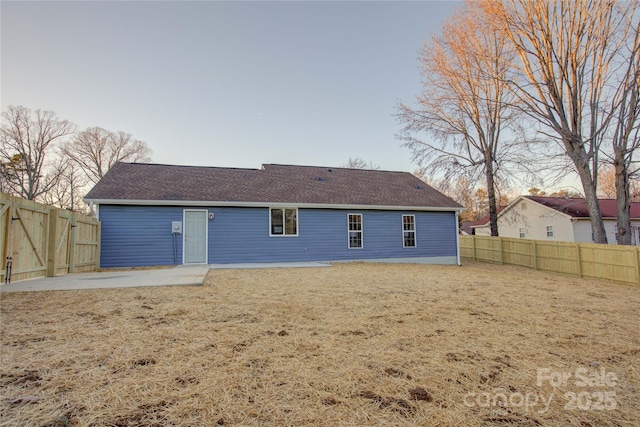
<point>534,249</point>
<point>98,237</point>
<point>500,251</point>
<point>636,257</point>
<point>72,245</point>
<point>52,236</point>
<point>578,260</point>
<point>473,241</point>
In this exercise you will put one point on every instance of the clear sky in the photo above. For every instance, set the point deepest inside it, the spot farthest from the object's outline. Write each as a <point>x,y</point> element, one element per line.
<point>233,84</point>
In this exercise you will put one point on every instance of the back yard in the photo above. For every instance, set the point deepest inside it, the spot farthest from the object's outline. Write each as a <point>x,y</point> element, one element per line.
<point>354,344</point>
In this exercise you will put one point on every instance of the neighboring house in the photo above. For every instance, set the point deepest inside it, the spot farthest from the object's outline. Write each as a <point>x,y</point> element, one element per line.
<point>481,226</point>
<point>559,218</point>
<point>155,214</point>
<point>465,228</point>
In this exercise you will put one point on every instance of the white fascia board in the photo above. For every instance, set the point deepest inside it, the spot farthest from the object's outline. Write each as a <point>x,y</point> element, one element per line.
<point>606,218</point>
<point>508,207</point>
<point>481,226</point>
<point>566,215</point>
<point>268,204</point>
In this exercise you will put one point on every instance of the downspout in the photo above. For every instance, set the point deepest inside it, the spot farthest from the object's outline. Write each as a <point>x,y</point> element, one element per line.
<point>93,208</point>
<point>458,238</point>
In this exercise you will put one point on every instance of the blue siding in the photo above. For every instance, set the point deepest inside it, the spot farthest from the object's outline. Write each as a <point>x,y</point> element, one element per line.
<point>137,235</point>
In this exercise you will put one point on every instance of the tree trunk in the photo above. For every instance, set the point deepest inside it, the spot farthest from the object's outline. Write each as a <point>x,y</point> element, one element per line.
<point>591,197</point>
<point>623,204</point>
<point>491,193</point>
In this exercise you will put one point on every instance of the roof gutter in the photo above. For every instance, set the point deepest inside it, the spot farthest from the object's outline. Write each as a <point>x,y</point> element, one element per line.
<point>267,204</point>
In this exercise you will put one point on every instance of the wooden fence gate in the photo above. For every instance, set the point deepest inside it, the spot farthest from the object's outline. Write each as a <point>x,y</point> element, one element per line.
<point>39,240</point>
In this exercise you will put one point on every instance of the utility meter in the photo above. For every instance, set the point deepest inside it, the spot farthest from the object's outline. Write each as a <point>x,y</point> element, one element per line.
<point>176,227</point>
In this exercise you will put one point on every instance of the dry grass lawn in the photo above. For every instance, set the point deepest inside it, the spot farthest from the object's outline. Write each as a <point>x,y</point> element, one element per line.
<point>351,345</point>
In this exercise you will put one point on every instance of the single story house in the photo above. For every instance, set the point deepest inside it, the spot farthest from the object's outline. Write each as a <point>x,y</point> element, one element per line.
<point>558,218</point>
<point>155,214</point>
<point>465,228</point>
<point>482,224</point>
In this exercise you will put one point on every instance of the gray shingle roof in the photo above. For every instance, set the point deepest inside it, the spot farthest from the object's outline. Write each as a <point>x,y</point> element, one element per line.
<point>272,184</point>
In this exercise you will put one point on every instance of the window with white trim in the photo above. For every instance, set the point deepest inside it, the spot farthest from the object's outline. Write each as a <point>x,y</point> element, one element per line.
<point>408,231</point>
<point>521,232</point>
<point>549,230</point>
<point>354,222</point>
<point>283,222</point>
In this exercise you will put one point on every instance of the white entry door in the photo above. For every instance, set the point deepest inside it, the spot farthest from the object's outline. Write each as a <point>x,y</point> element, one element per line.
<point>195,236</point>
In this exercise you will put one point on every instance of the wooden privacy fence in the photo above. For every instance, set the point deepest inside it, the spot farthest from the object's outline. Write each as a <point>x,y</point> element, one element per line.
<point>597,261</point>
<point>40,240</point>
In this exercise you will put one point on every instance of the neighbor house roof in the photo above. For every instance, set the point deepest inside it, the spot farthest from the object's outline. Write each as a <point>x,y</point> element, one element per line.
<point>484,221</point>
<point>129,183</point>
<point>465,226</point>
<point>577,207</point>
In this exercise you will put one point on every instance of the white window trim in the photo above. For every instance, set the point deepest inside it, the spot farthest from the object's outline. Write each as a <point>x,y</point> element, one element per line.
<point>414,231</point>
<point>522,233</point>
<point>284,222</point>
<point>361,231</point>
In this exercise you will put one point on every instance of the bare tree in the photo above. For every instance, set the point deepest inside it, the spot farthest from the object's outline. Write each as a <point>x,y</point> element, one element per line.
<point>566,55</point>
<point>469,194</point>
<point>465,106</point>
<point>27,142</point>
<point>69,191</point>
<point>607,184</point>
<point>359,163</point>
<point>461,190</point>
<point>625,134</point>
<point>536,192</point>
<point>465,192</point>
<point>96,150</point>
